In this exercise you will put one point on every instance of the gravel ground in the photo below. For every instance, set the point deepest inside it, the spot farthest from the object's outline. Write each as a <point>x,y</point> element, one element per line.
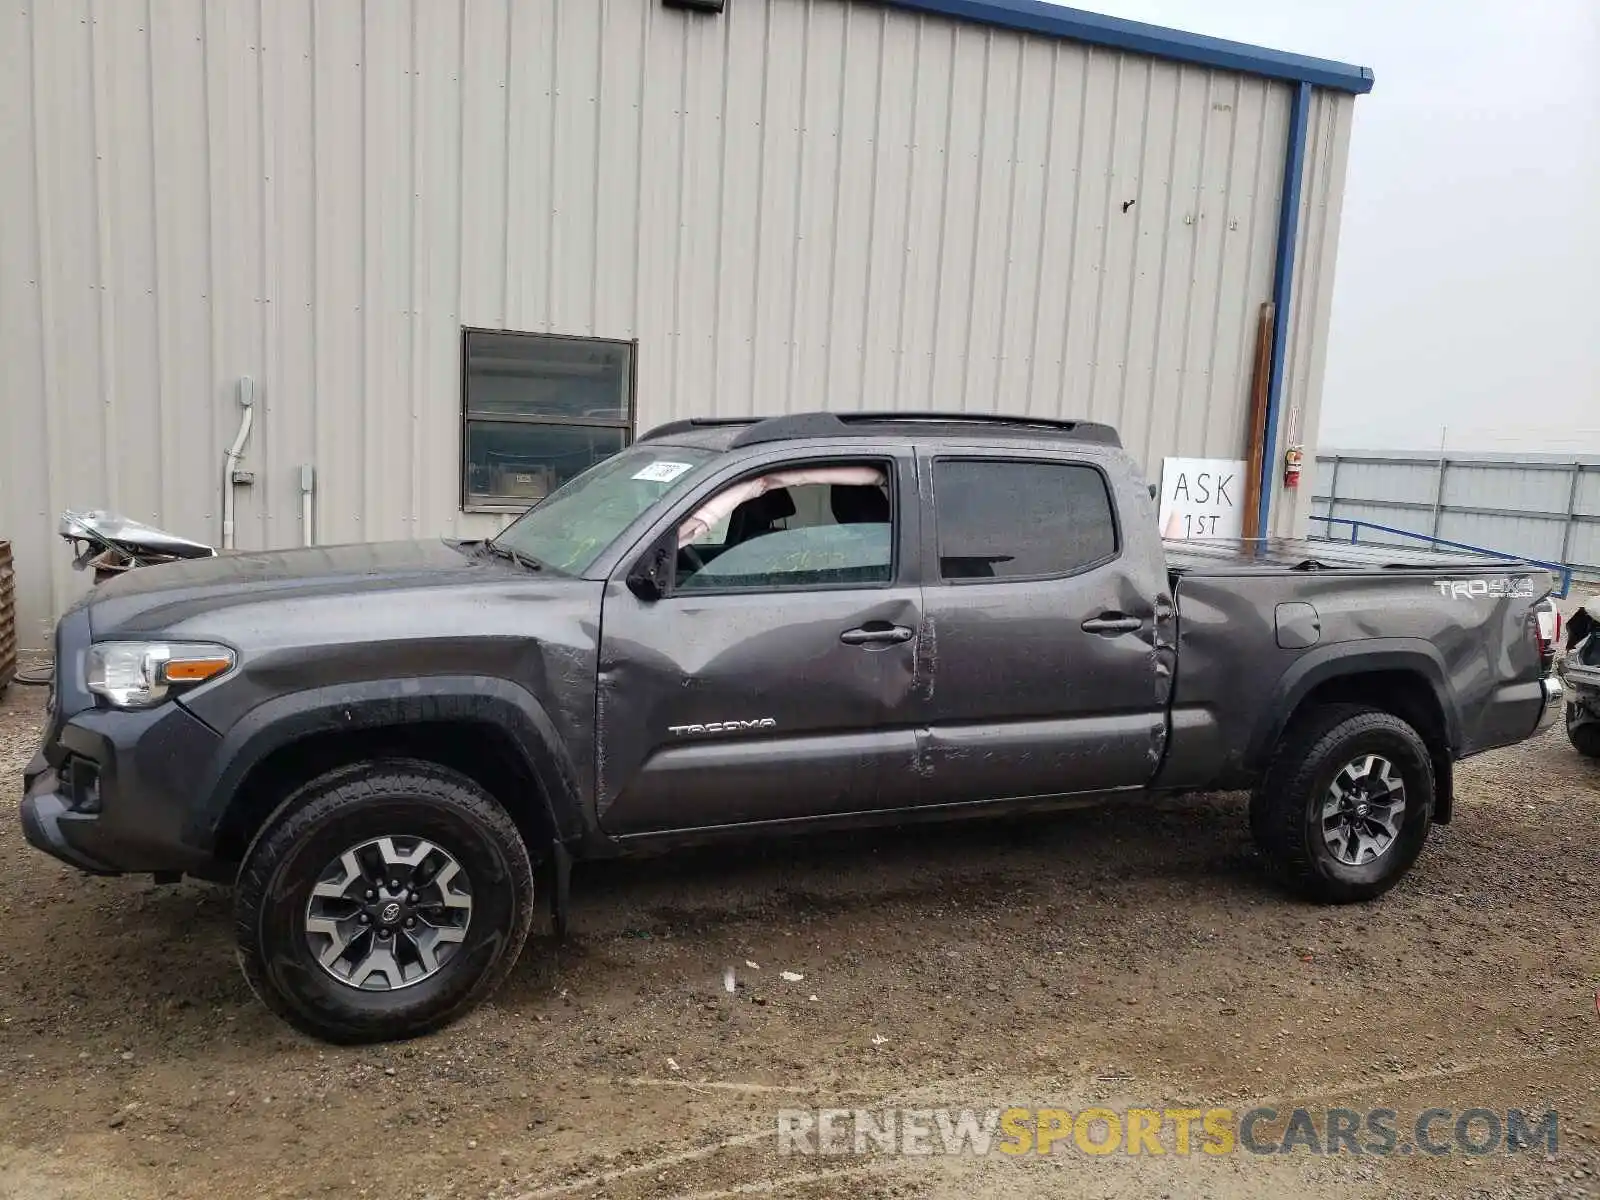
<point>1126,955</point>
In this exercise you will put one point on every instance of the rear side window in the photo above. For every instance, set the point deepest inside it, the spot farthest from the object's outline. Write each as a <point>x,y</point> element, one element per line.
<point>1015,520</point>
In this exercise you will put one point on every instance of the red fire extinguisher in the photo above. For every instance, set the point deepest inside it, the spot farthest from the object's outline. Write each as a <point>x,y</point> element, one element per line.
<point>1292,459</point>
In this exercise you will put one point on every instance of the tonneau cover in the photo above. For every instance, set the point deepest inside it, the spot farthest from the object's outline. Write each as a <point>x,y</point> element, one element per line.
<point>1272,555</point>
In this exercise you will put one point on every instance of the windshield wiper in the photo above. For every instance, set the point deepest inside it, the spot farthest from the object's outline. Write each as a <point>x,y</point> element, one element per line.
<point>527,564</point>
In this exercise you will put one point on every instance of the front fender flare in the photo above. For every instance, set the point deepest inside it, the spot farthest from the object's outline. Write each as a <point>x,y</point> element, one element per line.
<point>380,703</point>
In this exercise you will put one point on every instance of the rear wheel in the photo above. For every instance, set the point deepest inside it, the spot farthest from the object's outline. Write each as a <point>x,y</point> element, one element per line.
<point>384,901</point>
<point>1583,730</point>
<point>1346,804</point>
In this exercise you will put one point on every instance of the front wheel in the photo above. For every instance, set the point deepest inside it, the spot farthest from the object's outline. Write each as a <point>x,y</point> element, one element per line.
<point>384,901</point>
<point>1346,804</point>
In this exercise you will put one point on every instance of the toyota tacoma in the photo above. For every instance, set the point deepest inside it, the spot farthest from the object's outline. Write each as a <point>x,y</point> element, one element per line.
<point>744,628</point>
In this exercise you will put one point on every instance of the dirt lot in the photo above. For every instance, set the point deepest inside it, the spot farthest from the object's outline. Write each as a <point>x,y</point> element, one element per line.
<point>1124,956</point>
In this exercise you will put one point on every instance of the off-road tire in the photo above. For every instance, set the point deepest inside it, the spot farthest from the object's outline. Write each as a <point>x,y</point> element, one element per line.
<point>1285,809</point>
<point>385,798</point>
<point>1585,738</point>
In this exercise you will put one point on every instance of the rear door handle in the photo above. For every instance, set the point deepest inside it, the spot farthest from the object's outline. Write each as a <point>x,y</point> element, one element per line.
<point>1112,623</point>
<point>874,636</point>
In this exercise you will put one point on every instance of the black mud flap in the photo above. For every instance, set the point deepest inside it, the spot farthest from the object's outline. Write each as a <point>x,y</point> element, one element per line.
<point>560,888</point>
<point>1444,788</point>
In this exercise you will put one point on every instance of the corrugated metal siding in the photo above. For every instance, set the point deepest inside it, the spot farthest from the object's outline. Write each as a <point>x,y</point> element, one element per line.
<point>1540,506</point>
<point>802,203</point>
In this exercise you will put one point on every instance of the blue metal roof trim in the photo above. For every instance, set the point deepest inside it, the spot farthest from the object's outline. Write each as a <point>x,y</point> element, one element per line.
<point>1283,292</point>
<point>1035,16</point>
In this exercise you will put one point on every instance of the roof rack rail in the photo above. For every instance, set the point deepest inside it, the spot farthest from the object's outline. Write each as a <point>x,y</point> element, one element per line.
<point>1083,431</point>
<point>834,424</point>
<point>691,423</point>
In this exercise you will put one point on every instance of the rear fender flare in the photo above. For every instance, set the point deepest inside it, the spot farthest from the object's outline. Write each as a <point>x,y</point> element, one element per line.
<point>1412,656</point>
<point>382,703</point>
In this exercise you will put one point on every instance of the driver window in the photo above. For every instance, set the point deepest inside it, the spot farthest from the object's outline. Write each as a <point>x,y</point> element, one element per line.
<point>827,525</point>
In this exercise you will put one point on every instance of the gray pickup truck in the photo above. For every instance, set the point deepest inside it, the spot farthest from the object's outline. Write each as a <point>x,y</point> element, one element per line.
<point>744,628</point>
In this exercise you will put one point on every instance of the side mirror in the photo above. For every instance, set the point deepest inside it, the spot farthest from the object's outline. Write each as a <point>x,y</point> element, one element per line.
<point>648,578</point>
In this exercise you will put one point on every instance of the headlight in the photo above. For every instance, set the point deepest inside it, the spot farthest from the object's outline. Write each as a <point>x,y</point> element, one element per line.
<point>143,674</point>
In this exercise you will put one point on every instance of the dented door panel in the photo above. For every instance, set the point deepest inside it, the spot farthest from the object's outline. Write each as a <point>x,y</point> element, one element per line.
<point>747,706</point>
<point>728,709</point>
<point>1026,703</point>
<point>1021,699</point>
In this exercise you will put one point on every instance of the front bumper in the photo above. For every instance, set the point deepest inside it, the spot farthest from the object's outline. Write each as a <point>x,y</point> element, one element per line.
<point>111,792</point>
<point>47,816</point>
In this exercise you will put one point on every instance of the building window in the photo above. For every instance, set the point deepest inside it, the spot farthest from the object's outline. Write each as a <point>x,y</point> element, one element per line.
<point>537,411</point>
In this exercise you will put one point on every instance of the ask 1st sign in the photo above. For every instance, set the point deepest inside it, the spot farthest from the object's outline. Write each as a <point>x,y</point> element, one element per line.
<point>1202,498</point>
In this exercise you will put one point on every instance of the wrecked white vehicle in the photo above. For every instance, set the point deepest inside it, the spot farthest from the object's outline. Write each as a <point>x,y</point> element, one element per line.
<point>1581,671</point>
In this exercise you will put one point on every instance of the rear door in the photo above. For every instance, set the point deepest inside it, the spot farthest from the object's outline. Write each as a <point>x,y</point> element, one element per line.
<point>1041,619</point>
<point>776,679</point>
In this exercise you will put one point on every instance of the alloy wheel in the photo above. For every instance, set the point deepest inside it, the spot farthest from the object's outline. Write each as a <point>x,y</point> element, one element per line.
<point>388,912</point>
<point>1363,810</point>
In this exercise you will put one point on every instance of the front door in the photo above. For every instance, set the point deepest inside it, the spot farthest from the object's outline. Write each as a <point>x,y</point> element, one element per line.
<point>777,677</point>
<point>1042,628</point>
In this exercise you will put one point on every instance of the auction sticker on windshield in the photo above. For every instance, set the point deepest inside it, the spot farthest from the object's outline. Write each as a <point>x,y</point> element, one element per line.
<point>662,472</point>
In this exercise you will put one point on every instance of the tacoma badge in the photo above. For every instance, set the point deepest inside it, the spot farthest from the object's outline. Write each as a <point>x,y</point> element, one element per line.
<point>724,727</point>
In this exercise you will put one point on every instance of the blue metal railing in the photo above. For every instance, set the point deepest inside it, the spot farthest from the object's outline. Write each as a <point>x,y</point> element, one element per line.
<point>1356,526</point>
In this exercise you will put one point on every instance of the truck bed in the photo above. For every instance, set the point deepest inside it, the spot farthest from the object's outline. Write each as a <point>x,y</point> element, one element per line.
<point>1271,556</point>
<point>1260,624</point>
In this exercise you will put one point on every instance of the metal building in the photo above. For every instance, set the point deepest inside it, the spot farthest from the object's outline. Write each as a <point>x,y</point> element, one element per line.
<point>785,204</point>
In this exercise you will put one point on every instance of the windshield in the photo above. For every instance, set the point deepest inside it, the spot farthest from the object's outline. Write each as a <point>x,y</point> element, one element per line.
<point>580,519</point>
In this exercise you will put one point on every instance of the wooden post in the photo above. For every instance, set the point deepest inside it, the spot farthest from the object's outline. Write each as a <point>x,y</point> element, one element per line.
<point>1258,471</point>
<point>8,618</point>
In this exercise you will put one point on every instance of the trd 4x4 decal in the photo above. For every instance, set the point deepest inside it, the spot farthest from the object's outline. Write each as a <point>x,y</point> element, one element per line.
<point>1520,586</point>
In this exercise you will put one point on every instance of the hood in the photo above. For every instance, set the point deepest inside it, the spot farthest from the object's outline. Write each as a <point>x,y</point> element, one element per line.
<point>156,599</point>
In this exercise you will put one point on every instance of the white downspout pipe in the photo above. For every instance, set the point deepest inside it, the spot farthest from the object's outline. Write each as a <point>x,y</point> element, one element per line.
<point>308,485</point>
<point>247,399</point>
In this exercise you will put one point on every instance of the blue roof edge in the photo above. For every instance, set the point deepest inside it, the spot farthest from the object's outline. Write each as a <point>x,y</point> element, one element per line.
<point>1036,16</point>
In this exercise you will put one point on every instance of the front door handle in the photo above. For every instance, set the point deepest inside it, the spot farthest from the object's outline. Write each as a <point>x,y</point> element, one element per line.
<point>877,634</point>
<point>1112,623</point>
